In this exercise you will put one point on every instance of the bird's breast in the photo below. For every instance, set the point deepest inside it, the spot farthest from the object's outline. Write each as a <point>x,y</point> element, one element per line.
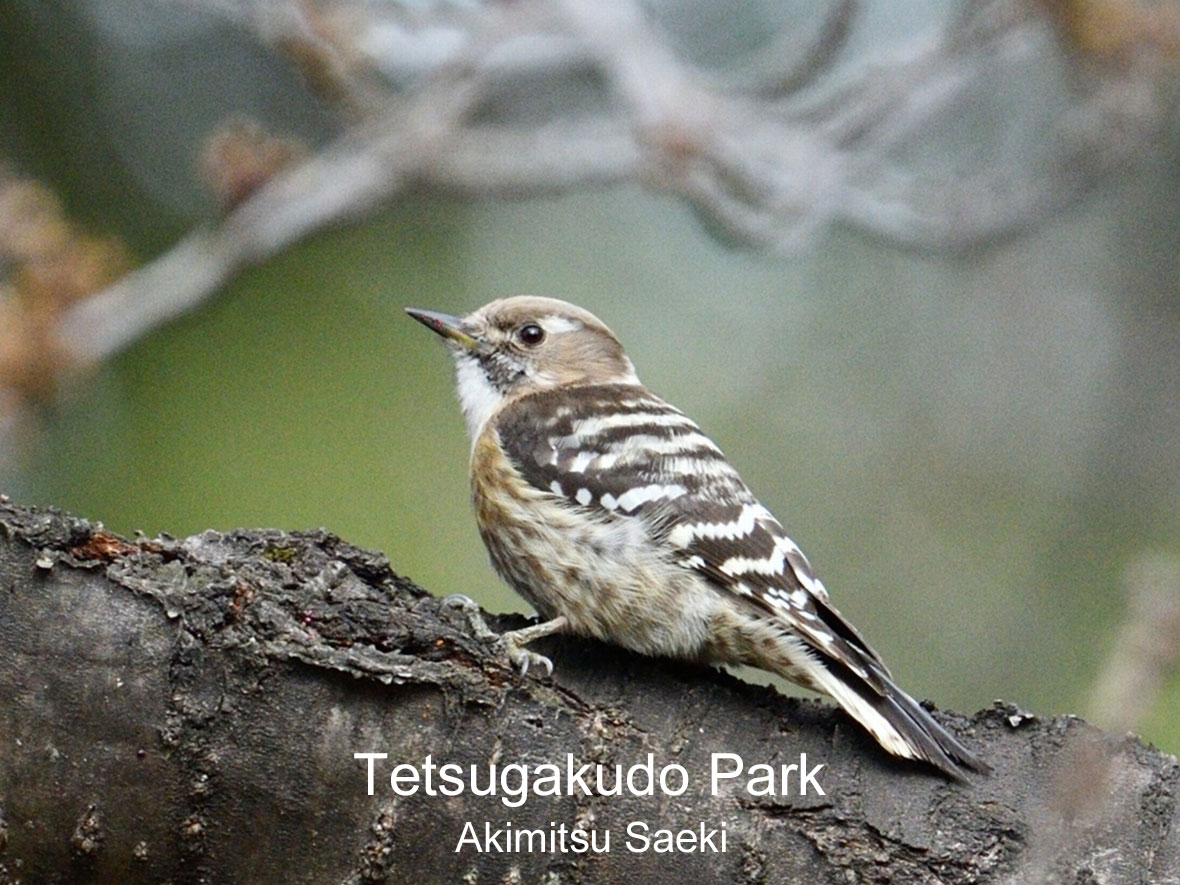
<point>601,570</point>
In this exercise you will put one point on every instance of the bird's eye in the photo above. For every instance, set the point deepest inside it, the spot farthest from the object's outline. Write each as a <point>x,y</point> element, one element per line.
<point>531,334</point>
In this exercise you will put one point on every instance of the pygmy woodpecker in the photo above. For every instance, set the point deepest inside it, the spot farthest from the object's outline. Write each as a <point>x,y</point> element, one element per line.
<point>617,518</point>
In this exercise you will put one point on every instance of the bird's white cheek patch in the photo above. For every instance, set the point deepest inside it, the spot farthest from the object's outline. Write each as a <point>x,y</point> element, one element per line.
<point>477,397</point>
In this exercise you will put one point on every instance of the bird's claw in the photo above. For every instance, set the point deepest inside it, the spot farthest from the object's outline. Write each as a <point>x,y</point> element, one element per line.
<point>511,644</point>
<point>521,658</point>
<point>514,644</point>
<point>470,609</point>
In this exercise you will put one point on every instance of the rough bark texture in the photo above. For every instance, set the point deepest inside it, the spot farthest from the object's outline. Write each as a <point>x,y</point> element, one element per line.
<point>188,710</point>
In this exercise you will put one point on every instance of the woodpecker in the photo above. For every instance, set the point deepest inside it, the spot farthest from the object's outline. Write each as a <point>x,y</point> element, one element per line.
<point>615,517</point>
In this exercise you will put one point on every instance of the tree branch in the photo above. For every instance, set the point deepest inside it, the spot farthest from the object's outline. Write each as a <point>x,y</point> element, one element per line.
<point>190,709</point>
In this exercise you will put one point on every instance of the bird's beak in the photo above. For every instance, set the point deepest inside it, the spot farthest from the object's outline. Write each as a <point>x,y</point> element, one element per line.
<point>449,327</point>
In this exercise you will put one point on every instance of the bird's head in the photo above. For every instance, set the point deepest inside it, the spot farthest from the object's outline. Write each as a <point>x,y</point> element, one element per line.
<point>516,346</point>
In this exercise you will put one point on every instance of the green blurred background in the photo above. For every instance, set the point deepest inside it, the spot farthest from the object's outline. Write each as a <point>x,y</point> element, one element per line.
<point>970,448</point>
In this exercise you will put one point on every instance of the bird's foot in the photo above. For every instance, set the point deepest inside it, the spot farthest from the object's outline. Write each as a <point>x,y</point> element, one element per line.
<point>470,610</point>
<point>511,643</point>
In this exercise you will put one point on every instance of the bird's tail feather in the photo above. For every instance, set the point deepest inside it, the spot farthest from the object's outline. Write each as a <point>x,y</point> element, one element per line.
<point>899,723</point>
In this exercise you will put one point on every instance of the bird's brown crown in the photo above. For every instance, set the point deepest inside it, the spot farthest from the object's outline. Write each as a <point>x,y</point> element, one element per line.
<point>530,343</point>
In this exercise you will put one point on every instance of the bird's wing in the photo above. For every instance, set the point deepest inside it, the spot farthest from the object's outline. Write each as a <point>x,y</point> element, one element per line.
<point>623,452</point>
<point>619,452</point>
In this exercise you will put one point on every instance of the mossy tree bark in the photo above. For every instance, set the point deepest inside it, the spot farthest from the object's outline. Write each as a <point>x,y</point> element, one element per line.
<point>189,710</point>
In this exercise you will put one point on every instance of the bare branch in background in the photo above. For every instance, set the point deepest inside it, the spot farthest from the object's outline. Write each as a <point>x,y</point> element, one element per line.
<point>771,149</point>
<point>48,264</point>
<point>1147,650</point>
